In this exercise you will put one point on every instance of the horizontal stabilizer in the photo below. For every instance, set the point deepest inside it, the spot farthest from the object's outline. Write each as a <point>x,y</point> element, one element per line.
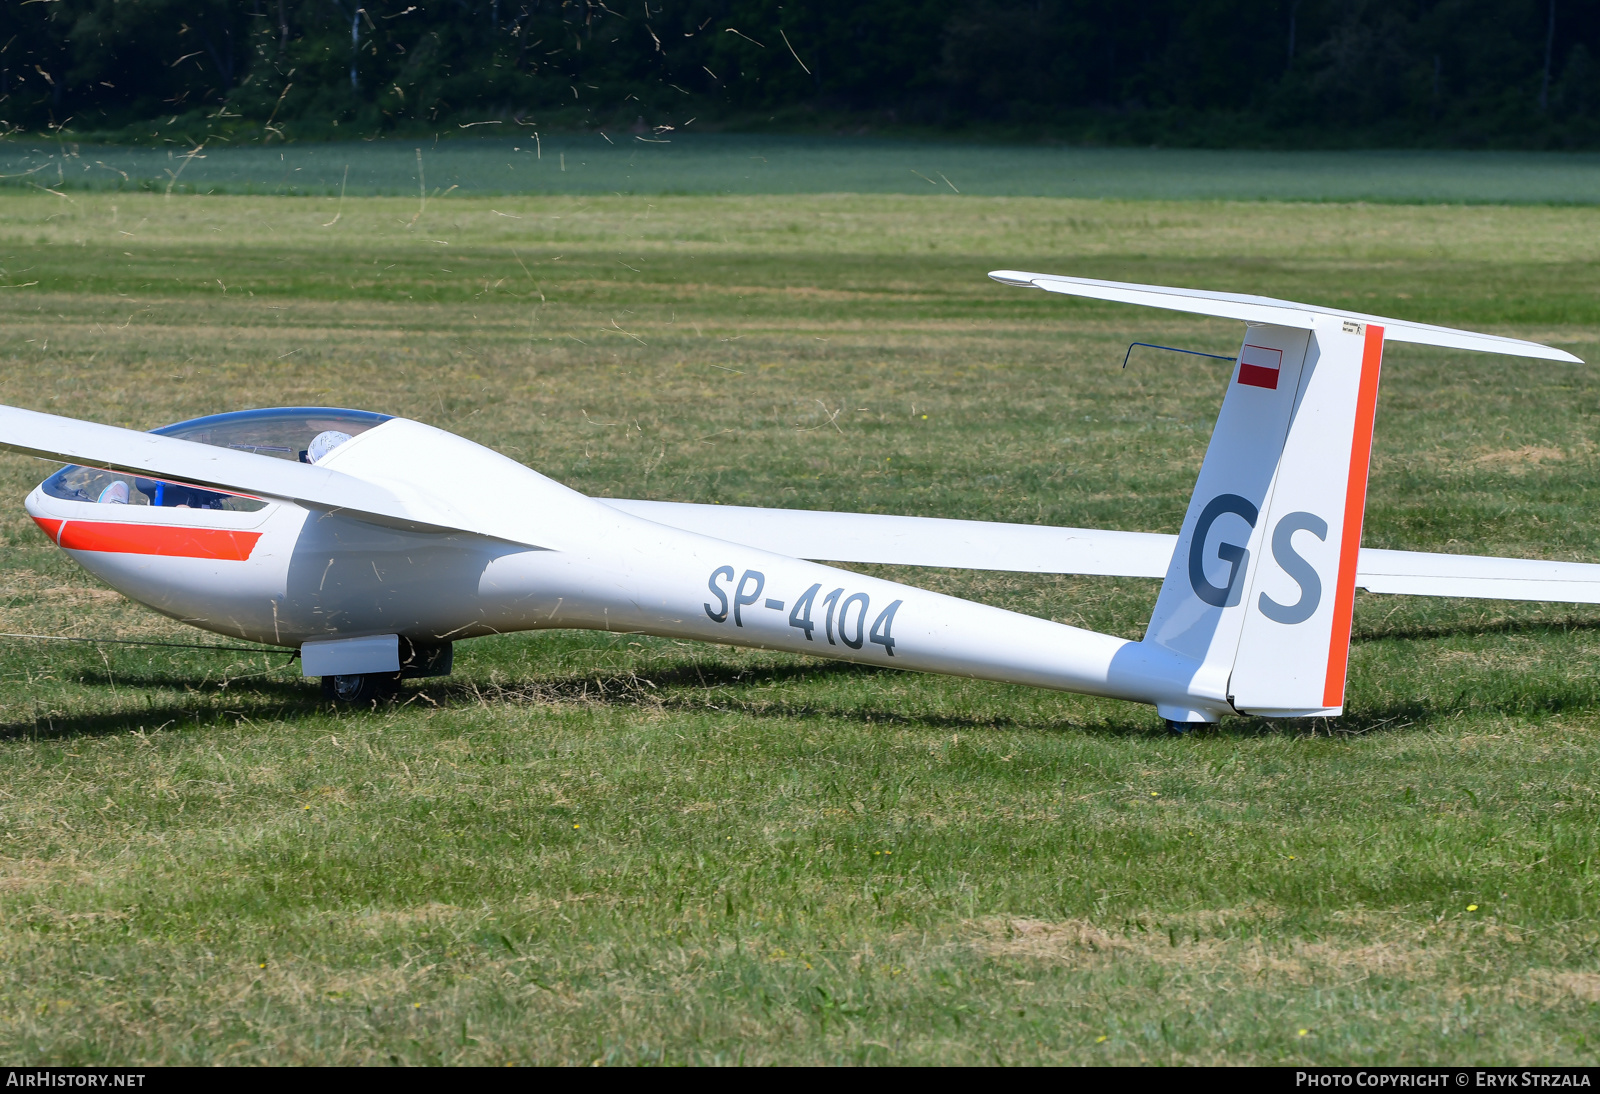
<point>1037,549</point>
<point>1281,313</point>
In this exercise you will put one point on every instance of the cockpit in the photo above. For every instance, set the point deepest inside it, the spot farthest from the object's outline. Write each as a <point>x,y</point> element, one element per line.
<point>303,434</point>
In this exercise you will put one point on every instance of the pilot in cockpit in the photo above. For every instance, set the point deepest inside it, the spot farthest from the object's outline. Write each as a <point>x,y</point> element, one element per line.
<point>179,496</point>
<point>173,495</point>
<point>278,433</point>
<point>322,444</point>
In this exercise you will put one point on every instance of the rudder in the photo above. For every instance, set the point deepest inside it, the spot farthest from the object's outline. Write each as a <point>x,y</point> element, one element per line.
<point>1260,588</point>
<point>1295,645</point>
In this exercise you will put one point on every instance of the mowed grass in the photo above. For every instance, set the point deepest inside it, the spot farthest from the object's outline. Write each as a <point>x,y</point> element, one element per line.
<point>518,160</point>
<point>604,848</point>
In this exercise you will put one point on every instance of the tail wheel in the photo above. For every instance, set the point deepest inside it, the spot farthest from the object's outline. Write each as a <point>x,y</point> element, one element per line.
<point>360,690</point>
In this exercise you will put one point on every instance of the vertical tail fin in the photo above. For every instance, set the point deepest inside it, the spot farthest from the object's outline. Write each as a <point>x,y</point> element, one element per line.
<point>1261,585</point>
<point>1295,645</point>
<point>1258,595</point>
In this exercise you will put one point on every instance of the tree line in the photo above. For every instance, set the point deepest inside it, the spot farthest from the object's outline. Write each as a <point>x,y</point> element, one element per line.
<point>1508,73</point>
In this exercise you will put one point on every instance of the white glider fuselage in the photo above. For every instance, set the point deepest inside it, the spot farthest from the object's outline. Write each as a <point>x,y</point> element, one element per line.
<point>309,574</point>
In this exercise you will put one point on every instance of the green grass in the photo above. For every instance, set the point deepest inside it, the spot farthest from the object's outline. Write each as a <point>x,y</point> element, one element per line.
<point>602,848</point>
<point>517,160</point>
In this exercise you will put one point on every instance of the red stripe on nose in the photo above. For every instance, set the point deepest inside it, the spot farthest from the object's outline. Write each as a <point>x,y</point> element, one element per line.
<point>1256,376</point>
<point>52,528</point>
<point>157,539</point>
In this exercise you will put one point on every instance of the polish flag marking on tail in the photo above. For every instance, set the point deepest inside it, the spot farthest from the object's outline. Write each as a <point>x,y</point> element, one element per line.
<point>1259,366</point>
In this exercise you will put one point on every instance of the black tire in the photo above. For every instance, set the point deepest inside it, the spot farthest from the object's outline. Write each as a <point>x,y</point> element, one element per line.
<point>360,690</point>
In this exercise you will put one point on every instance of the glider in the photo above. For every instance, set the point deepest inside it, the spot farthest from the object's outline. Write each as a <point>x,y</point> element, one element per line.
<point>371,543</point>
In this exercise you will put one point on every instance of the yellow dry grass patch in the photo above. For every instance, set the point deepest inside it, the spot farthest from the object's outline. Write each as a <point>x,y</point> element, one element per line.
<point>1550,988</point>
<point>1583,986</point>
<point>1520,459</point>
<point>25,584</point>
<point>386,918</point>
<point>1078,943</point>
<point>19,874</point>
<point>1521,657</point>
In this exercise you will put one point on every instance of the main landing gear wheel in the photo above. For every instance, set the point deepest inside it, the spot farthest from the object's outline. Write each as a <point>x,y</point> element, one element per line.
<point>362,689</point>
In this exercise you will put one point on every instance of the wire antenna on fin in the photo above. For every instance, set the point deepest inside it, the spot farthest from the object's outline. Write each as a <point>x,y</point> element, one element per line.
<point>1171,349</point>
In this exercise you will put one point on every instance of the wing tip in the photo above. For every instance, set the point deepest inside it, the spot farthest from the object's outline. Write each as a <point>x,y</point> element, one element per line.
<point>1013,277</point>
<point>1446,338</point>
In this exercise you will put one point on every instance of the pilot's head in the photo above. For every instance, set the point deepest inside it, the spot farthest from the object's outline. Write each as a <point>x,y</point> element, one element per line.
<point>323,443</point>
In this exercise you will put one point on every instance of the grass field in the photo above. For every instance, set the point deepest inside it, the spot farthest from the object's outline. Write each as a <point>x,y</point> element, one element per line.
<point>595,848</point>
<point>521,160</point>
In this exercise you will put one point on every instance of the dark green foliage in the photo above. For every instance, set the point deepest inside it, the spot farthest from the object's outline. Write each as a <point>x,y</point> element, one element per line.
<point>1306,72</point>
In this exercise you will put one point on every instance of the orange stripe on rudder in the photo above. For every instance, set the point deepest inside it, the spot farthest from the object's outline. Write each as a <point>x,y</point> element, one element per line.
<point>158,539</point>
<point>1355,508</point>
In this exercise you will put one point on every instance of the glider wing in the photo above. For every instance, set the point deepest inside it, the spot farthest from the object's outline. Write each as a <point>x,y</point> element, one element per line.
<point>1418,573</point>
<point>1037,549</point>
<point>918,541</point>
